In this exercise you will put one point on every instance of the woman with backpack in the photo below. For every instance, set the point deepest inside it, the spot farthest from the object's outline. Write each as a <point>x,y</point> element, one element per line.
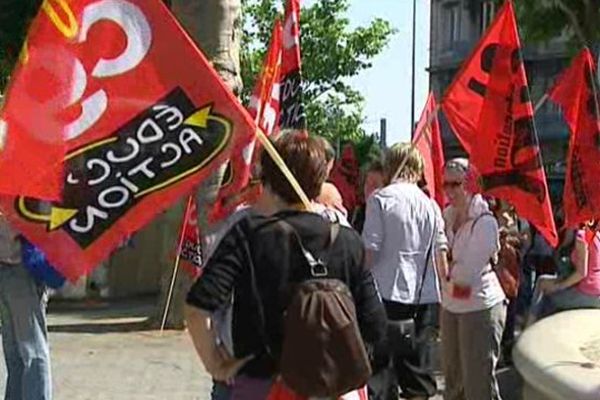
<point>473,301</point>
<point>274,267</point>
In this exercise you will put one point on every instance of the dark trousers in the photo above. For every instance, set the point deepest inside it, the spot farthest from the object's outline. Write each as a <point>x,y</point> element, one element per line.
<point>397,360</point>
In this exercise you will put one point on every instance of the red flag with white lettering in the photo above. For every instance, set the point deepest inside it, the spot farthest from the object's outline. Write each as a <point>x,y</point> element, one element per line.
<point>292,107</point>
<point>157,118</point>
<point>489,109</point>
<point>575,92</point>
<point>190,248</point>
<point>264,108</point>
<point>428,140</point>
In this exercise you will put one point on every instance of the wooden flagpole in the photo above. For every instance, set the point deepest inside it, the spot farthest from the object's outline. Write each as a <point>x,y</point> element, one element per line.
<point>177,261</point>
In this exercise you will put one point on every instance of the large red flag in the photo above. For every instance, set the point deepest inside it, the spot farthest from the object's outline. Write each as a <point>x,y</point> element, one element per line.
<point>428,140</point>
<point>165,122</point>
<point>489,109</point>
<point>292,107</point>
<point>264,108</point>
<point>575,92</point>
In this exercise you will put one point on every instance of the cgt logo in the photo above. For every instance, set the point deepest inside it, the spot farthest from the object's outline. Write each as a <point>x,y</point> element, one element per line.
<point>163,145</point>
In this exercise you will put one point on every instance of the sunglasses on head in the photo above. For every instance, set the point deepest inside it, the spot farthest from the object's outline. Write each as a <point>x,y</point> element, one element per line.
<point>452,184</point>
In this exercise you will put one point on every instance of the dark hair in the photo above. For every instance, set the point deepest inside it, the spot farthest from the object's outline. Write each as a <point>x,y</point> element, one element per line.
<point>305,157</point>
<point>374,166</point>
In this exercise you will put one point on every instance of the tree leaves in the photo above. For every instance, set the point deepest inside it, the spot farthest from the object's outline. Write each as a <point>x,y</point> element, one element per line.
<point>332,52</point>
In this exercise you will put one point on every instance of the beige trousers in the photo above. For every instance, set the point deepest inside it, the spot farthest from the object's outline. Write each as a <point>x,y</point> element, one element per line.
<point>470,350</point>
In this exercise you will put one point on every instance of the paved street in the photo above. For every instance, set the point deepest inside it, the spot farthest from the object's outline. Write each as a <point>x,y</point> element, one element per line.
<point>105,352</point>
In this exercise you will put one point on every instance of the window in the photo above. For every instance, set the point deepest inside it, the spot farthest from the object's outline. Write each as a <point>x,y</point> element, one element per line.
<point>452,23</point>
<point>488,10</point>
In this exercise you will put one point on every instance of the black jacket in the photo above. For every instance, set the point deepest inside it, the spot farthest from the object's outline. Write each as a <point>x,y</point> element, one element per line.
<point>278,262</point>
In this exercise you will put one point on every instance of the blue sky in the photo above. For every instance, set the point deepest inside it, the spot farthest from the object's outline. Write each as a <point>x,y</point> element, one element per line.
<point>387,85</point>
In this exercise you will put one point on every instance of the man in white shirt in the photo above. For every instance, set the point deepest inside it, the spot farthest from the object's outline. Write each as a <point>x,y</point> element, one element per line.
<point>404,235</point>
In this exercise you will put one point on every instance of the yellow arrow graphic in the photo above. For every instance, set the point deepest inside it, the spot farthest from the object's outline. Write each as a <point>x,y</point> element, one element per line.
<point>200,117</point>
<point>58,216</point>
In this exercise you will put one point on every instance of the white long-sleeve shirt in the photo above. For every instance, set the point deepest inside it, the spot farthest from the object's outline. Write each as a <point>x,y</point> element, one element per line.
<point>401,225</point>
<point>473,247</point>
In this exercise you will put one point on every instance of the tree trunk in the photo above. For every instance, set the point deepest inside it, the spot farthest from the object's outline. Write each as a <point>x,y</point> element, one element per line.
<point>215,27</point>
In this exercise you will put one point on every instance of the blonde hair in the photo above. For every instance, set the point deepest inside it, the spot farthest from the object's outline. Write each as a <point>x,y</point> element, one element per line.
<point>406,156</point>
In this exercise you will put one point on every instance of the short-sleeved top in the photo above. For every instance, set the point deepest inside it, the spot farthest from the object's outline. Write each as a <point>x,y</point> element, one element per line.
<point>590,285</point>
<point>404,228</point>
<point>260,246</point>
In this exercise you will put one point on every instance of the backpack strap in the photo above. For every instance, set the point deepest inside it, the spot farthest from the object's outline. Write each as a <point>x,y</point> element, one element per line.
<point>427,259</point>
<point>318,266</point>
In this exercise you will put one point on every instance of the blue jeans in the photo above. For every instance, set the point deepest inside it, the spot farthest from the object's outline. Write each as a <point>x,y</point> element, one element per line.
<point>24,335</point>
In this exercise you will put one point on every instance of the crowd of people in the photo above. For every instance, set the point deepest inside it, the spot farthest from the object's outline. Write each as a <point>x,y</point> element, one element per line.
<point>465,275</point>
<point>310,301</point>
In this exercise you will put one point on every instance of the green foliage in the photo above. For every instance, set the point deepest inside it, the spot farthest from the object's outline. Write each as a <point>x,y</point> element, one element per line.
<point>542,20</point>
<point>15,17</point>
<point>332,52</point>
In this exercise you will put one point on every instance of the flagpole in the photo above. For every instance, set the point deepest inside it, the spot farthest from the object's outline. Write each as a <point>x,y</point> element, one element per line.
<point>412,98</point>
<point>540,103</point>
<point>416,139</point>
<point>176,266</point>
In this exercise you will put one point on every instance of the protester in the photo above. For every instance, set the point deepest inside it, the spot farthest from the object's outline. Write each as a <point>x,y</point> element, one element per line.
<point>24,333</point>
<point>473,302</point>
<point>404,234</point>
<point>257,263</point>
<point>329,205</point>
<point>572,289</point>
<point>508,270</point>
<point>373,179</point>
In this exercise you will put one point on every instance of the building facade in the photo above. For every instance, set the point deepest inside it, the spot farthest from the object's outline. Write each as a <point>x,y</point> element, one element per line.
<point>456,27</point>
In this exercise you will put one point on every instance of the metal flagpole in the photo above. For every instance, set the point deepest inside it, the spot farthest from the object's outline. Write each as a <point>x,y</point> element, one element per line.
<point>412,98</point>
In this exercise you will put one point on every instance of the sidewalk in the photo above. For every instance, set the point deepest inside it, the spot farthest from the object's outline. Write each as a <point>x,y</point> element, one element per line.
<point>106,352</point>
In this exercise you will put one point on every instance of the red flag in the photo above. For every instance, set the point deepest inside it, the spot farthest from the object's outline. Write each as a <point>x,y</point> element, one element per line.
<point>345,175</point>
<point>429,144</point>
<point>575,92</point>
<point>190,248</point>
<point>32,124</point>
<point>264,107</point>
<point>489,109</point>
<point>166,123</point>
<point>292,107</point>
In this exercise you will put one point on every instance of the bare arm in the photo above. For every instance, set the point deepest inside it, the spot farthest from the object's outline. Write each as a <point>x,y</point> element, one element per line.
<point>581,267</point>
<point>218,363</point>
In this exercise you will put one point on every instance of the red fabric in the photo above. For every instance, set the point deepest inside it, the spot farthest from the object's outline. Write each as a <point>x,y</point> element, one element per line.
<point>190,248</point>
<point>31,123</point>
<point>169,121</point>
<point>292,108</point>
<point>489,109</point>
<point>292,61</point>
<point>280,392</point>
<point>428,140</point>
<point>574,93</point>
<point>264,108</point>
<point>345,175</point>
